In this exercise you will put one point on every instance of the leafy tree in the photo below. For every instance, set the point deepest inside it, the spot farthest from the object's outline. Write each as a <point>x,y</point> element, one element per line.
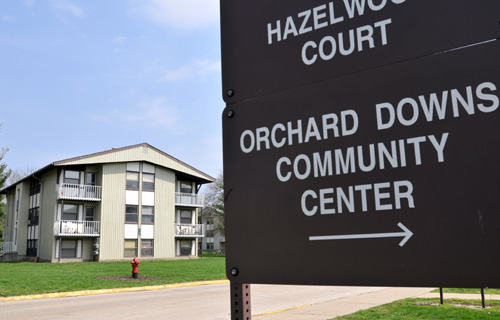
<point>4,175</point>
<point>214,205</point>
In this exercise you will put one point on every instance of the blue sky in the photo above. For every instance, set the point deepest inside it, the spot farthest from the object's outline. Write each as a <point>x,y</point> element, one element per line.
<point>79,77</point>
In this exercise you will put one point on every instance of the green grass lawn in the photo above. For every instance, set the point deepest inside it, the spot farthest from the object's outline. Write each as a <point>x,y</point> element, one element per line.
<point>212,254</point>
<point>21,278</point>
<point>429,309</point>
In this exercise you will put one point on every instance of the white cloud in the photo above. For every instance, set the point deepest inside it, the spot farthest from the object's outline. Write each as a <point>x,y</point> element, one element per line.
<point>29,3</point>
<point>196,69</point>
<point>120,39</point>
<point>119,42</point>
<point>180,14</point>
<point>65,6</point>
<point>8,18</point>
<point>150,113</point>
<point>101,118</point>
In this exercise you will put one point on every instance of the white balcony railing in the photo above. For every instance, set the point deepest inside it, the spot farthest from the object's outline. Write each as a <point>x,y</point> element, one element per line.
<point>183,230</point>
<point>189,199</point>
<point>6,247</point>
<point>76,228</point>
<point>212,239</point>
<point>78,192</point>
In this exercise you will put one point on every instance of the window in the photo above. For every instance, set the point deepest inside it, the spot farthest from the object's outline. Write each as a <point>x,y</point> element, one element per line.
<point>132,180</point>
<point>70,212</point>
<point>72,177</point>
<point>34,187</point>
<point>210,233</point>
<point>68,248</point>
<point>210,246</point>
<point>148,215</point>
<point>186,246</point>
<point>146,248</point>
<point>131,214</point>
<point>33,215</point>
<point>31,248</point>
<point>17,202</point>
<point>89,213</point>
<point>186,217</point>
<point>148,181</point>
<point>90,178</point>
<point>186,187</point>
<point>130,249</point>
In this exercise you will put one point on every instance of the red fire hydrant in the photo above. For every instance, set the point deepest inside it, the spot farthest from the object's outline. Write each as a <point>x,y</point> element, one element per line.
<point>135,268</point>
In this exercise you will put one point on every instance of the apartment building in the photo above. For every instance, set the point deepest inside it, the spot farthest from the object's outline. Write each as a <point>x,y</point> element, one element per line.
<point>213,239</point>
<point>135,201</point>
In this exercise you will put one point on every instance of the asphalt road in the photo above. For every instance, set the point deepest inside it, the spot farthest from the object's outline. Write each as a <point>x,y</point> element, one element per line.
<point>207,302</point>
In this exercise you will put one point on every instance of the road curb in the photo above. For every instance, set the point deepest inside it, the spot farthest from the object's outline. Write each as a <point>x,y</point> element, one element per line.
<point>114,290</point>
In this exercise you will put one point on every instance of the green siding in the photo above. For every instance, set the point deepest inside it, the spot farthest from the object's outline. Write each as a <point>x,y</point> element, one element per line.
<point>164,240</point>
<point>48,206</point>
<point>112,211</point>
<point>22,226</point>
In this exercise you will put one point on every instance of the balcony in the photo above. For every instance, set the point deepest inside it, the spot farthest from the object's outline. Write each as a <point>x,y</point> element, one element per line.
<point>6,247</point>
<point>212,239</point>
<point>76,228</point>
<point>188,230</point>
<point>189,199</point>
<point>68,191</point>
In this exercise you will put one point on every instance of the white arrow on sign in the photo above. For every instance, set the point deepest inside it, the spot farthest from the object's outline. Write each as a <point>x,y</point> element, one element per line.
<point>406,234</point>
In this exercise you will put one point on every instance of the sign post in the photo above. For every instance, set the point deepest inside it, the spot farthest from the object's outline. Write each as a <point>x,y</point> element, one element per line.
<point>240,301</point>
<point>361,142</point>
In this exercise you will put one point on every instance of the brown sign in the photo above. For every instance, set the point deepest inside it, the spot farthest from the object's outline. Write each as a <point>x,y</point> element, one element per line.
<point>270,46</point>
<point>387,177</point>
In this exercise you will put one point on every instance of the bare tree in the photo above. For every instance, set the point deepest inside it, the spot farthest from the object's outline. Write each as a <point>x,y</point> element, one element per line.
<point>18,174</point>
<point>4,175</point>
<point>214,207</point>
